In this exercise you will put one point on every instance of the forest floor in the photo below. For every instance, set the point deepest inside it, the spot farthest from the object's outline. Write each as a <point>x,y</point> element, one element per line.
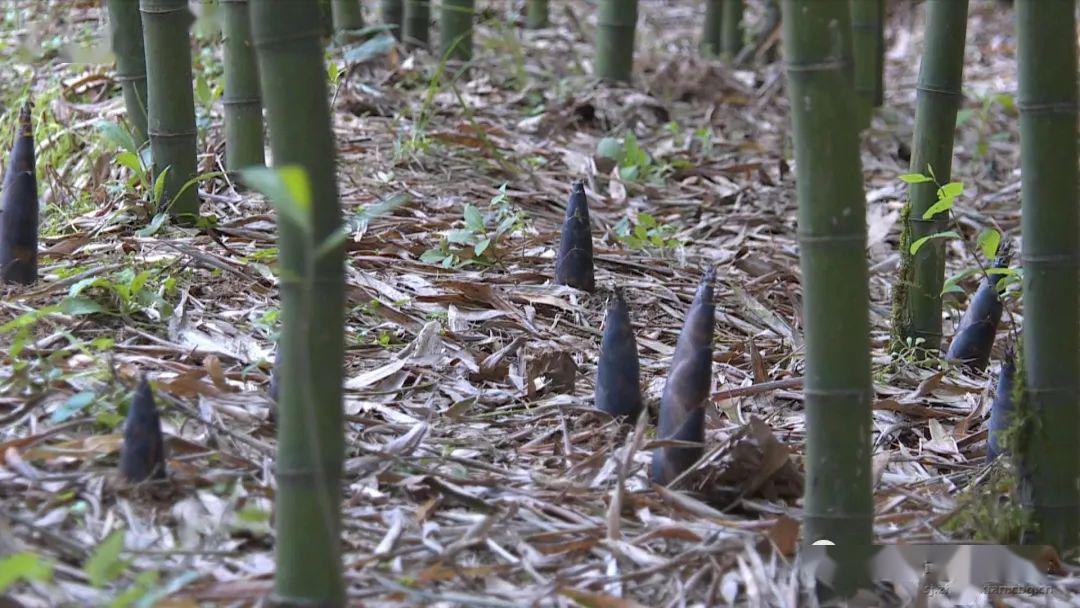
<point>476,472</point>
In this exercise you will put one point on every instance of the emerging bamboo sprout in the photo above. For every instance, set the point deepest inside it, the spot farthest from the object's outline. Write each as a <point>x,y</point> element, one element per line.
<point>1002,408</point>
<point>125,25</point>
<point>682,405</point>
<point>975,336</point>
<point>171,109</point>
<point>917,300</point>
<point>392,13</point>
<point>712,28</point>
<point>417,23</point>
<point>348,17</point>
<point>618,381</point>
<point>455,29</point>
<point>242,101</point>
<point>143,454</point>
<point>536,16</point>
<point>731,29</point>
<point>574,262</point>
<point>615,24</point>
<point>19,208</point>
<point>1047,96</point>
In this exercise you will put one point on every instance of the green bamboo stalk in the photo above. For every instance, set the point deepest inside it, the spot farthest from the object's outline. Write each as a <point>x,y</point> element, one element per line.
<point>310,420</point>
<point>832,240</point>
<point>455,29</point>
<point>326,18</point>
<point>125,25</point>
<point>348,17</point>
<point>1050,222</point>
<point>417,23</point>
<point>536,16</point>
<point>392,13</point>
<point>731,36</point>
<point>242,101</point>
<point>171,101</point>
<point>615,26</point>
<point>868,42</point>
<point>712,28</point>
<point>917,298</point>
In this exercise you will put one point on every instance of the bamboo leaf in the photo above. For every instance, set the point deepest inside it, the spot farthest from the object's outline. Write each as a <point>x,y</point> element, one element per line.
<point>915,178</point>
<point>332,242</point>
<point>473,219</point>
<point>118,136</point>
<point>287,188</point>
<point>159,186</point>
<point>937,235</point>
<point>481,247</point>
<point>943,204</point>
<point>24,566</point>
<point>105,564</point>
<point>988,241</point>
<point>375,47</point>
<point>951,190</point>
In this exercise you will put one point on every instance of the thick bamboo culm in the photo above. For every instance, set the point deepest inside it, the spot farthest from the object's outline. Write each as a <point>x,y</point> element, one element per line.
<point>536,14</point>
<point>348,17</point>
<point>1050,223</point>
<point>868,45</point>
<point>310,452</point>
<point>171,101</point>
<point>712,28</point>
<point>417,23</point>
<point>242,100</point>
<point>917,309</point>
<point>838,390</point>
<point>615,25</point>
<point>125,26</point>
<point>456,29</point>
<point>392,13</point>
<point>731,29</point>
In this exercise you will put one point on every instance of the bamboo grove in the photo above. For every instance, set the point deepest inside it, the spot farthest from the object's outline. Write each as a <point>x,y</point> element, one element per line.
<point>834,76</point>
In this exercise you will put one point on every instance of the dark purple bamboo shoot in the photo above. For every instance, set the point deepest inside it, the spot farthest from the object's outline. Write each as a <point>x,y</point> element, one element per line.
<point>975,336</point>
<point>143,454</point>
<point>1002,408</point>
<point>574,263</point>
<point>19,208</point>
<point>682,405</point>
<point>618,376</point>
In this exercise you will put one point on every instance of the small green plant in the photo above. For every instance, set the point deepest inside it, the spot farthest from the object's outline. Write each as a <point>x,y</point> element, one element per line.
<point>481,239</point>
<point>991,510</point>
<point>979,117</point>
<point>646,233</point>
<point>987,242</point>
<point>634,162</point>
<point>127,292</point>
